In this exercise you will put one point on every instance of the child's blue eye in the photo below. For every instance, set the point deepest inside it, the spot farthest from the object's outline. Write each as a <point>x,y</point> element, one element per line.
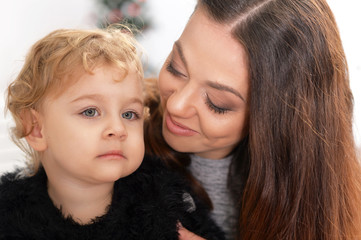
<point>90,112</point>
<point>130,115</point>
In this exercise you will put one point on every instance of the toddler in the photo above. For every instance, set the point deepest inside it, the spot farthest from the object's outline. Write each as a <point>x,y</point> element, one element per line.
<point>78,110</point>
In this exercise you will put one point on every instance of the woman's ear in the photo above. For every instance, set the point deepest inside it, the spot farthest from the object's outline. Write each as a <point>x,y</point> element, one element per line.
<point>33,126</point>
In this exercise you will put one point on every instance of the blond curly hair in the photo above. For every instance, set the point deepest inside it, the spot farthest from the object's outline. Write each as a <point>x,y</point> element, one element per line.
<point>52,61</point>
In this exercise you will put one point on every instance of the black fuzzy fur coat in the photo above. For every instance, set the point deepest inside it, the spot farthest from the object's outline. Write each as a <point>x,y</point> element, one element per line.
<point>146,205</point>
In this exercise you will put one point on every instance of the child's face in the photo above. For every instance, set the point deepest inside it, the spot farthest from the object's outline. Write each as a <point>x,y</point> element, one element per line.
<point>94,130</point>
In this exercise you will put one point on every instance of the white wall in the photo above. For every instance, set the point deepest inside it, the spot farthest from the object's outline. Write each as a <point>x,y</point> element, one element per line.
<point>25,21</point>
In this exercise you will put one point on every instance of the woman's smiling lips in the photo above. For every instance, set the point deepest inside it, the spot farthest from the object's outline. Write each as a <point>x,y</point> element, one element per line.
<point>178,129</point>
<point>112,155</point>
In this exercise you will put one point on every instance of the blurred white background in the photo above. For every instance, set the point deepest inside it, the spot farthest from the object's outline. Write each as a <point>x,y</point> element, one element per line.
<point>26,21</point>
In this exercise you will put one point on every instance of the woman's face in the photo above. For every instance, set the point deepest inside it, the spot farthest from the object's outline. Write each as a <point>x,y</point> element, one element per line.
<point>204,90</point>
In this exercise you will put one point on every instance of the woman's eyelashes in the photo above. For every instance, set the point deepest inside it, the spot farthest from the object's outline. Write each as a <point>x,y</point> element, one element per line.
<point>215,108</point>
<point>171,69</point>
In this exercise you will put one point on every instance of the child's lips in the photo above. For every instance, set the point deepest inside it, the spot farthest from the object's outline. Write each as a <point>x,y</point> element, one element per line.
<point>112,155</point>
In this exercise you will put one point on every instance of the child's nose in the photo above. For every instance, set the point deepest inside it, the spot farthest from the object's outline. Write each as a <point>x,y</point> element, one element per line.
<point>115,129</point>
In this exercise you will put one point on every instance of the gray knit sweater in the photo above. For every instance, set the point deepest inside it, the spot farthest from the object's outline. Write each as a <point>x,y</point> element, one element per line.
<point>212,174</point>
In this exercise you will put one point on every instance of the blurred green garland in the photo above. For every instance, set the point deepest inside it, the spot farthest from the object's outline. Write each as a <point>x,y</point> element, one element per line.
<point>131,12</point>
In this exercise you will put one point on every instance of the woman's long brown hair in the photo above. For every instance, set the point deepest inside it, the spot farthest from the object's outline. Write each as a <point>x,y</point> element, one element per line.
<point>297,170</point>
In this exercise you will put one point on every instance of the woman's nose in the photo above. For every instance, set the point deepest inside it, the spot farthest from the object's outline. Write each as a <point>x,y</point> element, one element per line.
<point>115,128</point>
<point>181,101</point>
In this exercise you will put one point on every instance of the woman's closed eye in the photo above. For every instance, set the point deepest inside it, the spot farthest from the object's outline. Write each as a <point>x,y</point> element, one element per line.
<point>215,108</point>
<point>171,69</point>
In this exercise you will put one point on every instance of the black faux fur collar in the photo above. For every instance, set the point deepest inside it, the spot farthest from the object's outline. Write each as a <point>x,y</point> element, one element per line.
<point>146,205</point>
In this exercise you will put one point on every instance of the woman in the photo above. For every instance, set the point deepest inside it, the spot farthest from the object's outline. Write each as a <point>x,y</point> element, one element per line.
<point>255,93</point>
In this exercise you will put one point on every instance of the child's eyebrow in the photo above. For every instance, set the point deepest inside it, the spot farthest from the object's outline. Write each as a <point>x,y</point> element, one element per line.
<point>135,100</point>
<point>88,96</point>
<point>100,97</point>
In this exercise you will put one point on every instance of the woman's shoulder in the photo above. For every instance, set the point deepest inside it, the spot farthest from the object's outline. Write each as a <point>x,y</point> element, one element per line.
<point>153,175</point>
<point>155,172</point>
<point>153,188</point>
<point>163,198</point>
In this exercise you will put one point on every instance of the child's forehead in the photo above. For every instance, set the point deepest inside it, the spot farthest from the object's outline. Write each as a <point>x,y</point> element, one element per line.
<point>118,73</point>
<point>79,76</point>
<point>79,73</point>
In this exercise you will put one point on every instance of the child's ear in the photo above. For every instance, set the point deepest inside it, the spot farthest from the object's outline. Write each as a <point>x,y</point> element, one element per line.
<point>33,127</point>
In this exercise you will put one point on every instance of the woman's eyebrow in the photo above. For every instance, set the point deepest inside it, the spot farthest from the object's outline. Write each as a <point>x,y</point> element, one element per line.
<point>223,87</point>
<point>179,49</point>
<point>217,86</point>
